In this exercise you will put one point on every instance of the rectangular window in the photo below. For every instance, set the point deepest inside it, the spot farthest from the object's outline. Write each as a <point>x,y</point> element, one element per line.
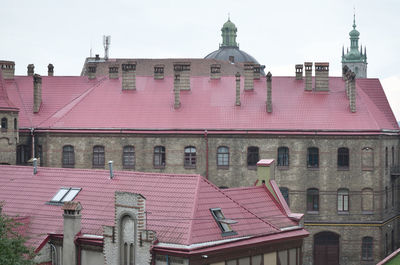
<point>65,194</point>
<point>283,157</point>
<point>98,156</point>
<point>128,157</point>
<point>312,200</point>
<point>223,223</point>
<point>312,157</point>
<point>190,157</point>
<point>159,157</point>
<point>366,248</point>
<point>343,200</point>
<point>252,156</point>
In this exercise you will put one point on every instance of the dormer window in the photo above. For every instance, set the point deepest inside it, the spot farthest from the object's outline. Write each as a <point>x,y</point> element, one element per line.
<point>65,195</point>
<point>223,223</point>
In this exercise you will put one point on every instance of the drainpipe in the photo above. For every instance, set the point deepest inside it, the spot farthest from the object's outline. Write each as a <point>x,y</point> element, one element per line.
<point>33,142</point>
<point>206,138</point>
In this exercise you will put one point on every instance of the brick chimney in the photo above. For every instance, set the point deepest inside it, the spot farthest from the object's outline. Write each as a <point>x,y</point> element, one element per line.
<point>237,89</point>
<point>159,71</point>
<point>129,76</point>
<point>8,69</point>
<point>257,71</point>
<point>321,76</point>
<point>37,92</point>
<point>308,75</point>
<point>299,71</point>
<point>346,77</point>
<point>248,77</point>
<point>177,91</point>
<point>352,88</point>
<point>269,92</point>
<point>91,69</point>
<point>345,69</point>
<point>50,70</point>
<point>215,71</point>
<point>31,69</point>
<point>113,72</point>
<point>265,173</point>
<point>72,226</point>
<point>183,70</point>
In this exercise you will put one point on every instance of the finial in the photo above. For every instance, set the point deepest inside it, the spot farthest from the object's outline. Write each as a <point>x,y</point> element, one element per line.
<point>354,17</point>
<point>342,50</point>
<point>229,17</point>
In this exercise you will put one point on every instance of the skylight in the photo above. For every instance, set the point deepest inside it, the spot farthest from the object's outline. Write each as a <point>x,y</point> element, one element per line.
<point>65,194</point>
<point>224,224</point>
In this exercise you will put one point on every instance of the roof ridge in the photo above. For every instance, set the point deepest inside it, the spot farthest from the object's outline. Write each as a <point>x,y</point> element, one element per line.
<point>192,219</point>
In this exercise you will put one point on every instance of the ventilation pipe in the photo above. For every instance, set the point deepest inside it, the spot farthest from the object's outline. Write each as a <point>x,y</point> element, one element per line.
<point>110,165</point>
<point>34,161</point>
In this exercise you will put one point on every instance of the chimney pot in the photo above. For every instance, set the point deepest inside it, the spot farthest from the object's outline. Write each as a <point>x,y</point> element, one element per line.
<point>31,69</point>
<point>308,76</point>
<point>299,71</point>
<point>183,70</point>
<point>113,72</point>
<point>8,69</point>
<point>248,77</point>
<point>159,71</point>
<point>321,76</point>
<point>92,70</point>
<point>50,70</point>
<point>215,71</point>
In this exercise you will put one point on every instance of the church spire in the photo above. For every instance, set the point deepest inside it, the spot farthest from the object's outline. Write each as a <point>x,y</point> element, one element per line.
<point>229,34</point>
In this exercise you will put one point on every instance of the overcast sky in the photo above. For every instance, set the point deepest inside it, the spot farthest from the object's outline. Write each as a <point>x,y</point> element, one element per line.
<point>279,34</point>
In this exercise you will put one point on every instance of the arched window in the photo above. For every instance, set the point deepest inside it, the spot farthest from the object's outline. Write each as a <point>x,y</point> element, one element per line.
<point>285,194</point>
<point>4,124</point>
<point>343,200</point>
<point>127,240</point>
<point>367,158</point>
<point>190,157</point>
<point>386,157</point>
<point>98,156</point>
<point>367,200</point>
<point>252,156</point>
<point>312,200</point>
<point>159,157</point>
<point>312,157</point>
<point>68,156</point>
<point>223,157</point>
<point>283,156</point>
<point>367,248</point>
<point>15,124</point>
<point>128,157</point>
<point>343,158</point>
<point>392,155</point>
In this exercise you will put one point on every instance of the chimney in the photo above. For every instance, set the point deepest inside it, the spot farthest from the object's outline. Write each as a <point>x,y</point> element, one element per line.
<point>91,69</point>
<point>352,85</point>
<point>113,72</point>
<point>110,165</point>
<point>8,69</point>
<point>159,71</point>
<point>72,226</point>
<point>215,71</point>
<point>37,92</point>
<point>177,101</point>
<point>183,70</point>
<point>345,69</point>
<point>129,76</point>
<point>248,77</point>
<point>50,70</point>
<point>34,161</point>
<point>299,71</point>
<point>269,92</point>
<point>265,173</point>
<point>321,76</point>
<point>346,77</point>
<point>237,89</point>
<point>308,69</point>
<point>257,71</point>
<point>31,69</point>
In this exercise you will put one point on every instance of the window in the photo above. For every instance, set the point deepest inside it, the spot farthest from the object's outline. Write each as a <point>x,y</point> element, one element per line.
<point>98,156</point>
<point>127,240</point>
<point>312,157</point>
<point>392,155</point>
<point>366,248</point>
<point>223,157</point>
<point>224,224</point>
<point>128,157</point>
<point>386,157</point>
<point>343,158</point>
<point>159,157</point>
<point>190,157</point>
<point>367,158</point>
<point>367,200</point>
<point>285,194</point>
<point>312,200</point>
<point>65,194</point>
<point>4,124</point>
<point>283,156</point>
<point>252,156</point>
<point>15,124</point>
<point>343,200</point>
<point>68,156</point>
<point>23,154</point>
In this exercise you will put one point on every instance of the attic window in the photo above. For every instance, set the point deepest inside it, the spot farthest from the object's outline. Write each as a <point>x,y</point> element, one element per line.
<point>224,224</point>
<point>65,194</point>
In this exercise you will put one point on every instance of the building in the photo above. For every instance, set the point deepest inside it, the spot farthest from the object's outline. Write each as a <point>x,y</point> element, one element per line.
<point>148,218</point>
<point>335,139</point>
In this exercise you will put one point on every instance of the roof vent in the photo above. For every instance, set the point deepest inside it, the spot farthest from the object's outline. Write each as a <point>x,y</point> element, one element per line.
<point>110,165</point>
<point>34,166</point>
<point>50,70</point>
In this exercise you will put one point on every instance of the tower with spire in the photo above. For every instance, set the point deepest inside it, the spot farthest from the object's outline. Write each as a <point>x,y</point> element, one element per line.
<point>355,58</point>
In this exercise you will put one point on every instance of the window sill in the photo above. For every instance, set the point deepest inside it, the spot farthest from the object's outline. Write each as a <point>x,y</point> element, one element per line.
<point>252,167</point>
<point>313,168</point>
<point>343,213</point>
<point>68,166</point>
<point>159,167</point>
<point>313,212</point>
<point>343,169</point>
<point>283,167</point>
<point>223,167</point>
<point>98,167</point>
<point>367,212</point>
<point>190,167</point>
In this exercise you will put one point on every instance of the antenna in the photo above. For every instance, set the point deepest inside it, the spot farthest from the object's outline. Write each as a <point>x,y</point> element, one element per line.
<point>106,44</point>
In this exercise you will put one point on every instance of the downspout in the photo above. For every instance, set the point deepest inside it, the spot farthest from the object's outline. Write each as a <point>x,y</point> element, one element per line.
<point>33,142</point>
<point>206,138</point>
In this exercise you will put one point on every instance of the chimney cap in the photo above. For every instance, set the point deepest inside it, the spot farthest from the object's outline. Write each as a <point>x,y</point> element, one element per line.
<point>308,64</point>
<point>265,162</point>
<point>71,206</point>
<point>269,75</point>
<point>299,65</point>
<point>322,64</point>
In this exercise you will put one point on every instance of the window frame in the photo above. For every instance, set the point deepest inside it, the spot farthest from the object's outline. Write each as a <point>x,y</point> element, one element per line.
<point>68,156</point>
<point>343,158</point>
<point>313,158</point>
<point>283,157</point>
<point>369,152</point>
<point>253,156</point>
<point>367,248</point>
<point>223,155</point>
<point>99,155</point>
<point>4,124</point>
<point>285,193</point>
<point>189,157</point>
<point>67,191</point>
<point>128,156</point>
<point>159,151</point>
<point>224,226</point>
<point>343,200</point>
<point>312,193</point>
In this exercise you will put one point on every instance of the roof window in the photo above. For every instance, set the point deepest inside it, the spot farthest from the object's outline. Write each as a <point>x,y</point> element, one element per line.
<point>65,195</point>
<point>223,223</point>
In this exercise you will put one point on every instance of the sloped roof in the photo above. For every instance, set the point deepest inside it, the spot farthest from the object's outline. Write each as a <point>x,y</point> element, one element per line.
<point>178,206</point>
<point>5,103</point>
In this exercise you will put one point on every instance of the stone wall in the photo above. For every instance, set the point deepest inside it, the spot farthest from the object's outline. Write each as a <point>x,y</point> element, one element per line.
<point>9,138</point>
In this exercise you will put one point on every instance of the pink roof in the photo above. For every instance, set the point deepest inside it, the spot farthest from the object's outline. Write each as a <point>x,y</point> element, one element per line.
<point>5,103</point>
<point>178,206</point>
<point>82,104</point>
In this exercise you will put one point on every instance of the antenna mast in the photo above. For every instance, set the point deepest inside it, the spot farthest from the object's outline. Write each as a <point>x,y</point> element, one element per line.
<point>106,44</point>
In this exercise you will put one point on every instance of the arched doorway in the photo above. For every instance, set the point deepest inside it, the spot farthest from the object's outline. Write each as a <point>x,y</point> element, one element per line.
<point>326,248</point>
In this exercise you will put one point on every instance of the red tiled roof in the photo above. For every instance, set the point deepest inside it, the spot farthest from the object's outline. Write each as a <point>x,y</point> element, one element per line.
<point>82,104</point>
<point>177,205</point>
<point>5,103</point>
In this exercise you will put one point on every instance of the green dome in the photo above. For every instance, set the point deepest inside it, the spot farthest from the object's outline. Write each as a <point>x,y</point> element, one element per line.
<point>354,33</point>
<point>228,25</point>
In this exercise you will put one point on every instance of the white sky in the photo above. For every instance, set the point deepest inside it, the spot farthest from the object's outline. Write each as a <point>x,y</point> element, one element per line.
<point>277,33</point>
